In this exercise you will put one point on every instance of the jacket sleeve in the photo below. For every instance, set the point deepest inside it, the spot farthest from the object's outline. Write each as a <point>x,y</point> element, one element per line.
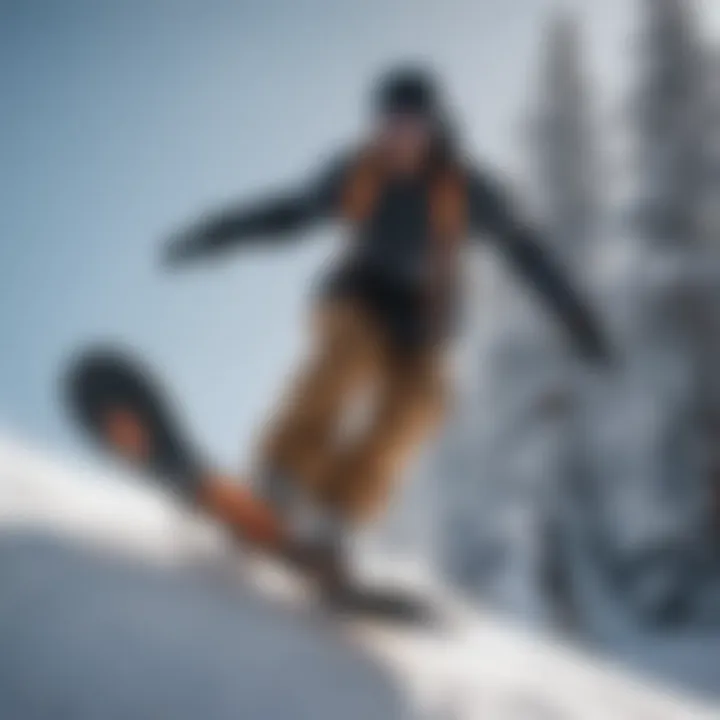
<point>268,221</point>
<point>492,213</point>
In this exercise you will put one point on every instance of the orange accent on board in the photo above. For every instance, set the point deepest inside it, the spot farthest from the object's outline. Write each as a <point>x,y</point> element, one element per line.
<point>127,434</point>
<point>246,515</point>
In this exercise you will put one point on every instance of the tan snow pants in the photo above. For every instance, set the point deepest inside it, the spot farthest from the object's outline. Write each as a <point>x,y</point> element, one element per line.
<point>352,469</point>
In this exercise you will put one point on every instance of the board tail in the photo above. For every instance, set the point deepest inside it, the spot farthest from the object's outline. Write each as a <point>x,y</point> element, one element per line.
<point>120,406</point>
<point>117,401</point>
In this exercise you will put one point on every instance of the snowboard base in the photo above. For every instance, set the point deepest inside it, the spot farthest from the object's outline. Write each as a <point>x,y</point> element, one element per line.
<point>116,403</point>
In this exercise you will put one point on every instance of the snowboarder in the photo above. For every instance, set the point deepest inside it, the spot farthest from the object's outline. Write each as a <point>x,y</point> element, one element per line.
<point>384,314</point>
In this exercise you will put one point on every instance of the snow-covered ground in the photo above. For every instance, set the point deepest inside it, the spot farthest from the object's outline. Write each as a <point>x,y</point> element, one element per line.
<point>117,603</point>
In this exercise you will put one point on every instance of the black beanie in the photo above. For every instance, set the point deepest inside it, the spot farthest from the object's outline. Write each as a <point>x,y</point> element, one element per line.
<point>407,90</point>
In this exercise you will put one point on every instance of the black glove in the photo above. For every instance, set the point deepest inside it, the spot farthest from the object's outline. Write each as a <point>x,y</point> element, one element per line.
<point>596,352</point>
<point>184,247</point>
<point>591,343</point>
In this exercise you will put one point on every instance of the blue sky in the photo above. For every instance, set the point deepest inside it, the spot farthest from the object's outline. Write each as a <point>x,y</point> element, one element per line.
<point>121,120</point>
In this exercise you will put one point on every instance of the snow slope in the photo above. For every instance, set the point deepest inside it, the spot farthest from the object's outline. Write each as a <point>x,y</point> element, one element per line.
<point>117,603</point>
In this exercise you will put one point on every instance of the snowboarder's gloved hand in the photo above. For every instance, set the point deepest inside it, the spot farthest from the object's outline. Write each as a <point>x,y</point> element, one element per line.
<point>596,351</point>
<point>592,344</point>
<point>184,247</point>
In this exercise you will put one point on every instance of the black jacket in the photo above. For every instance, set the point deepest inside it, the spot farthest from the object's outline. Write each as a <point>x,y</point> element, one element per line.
<point>393,251</point>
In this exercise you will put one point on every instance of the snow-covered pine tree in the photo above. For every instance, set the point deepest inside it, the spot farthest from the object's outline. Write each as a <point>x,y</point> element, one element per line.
<point>563,146</point>
<point>707,316</point>
<point>668,120</point>
<point>650,477</point>
<point>710,218</point>
<point>566,173</point>
<point>507,451</point>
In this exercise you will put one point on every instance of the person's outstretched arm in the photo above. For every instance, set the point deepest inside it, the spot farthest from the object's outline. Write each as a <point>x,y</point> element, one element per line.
<point>267,221</point>
<point>491,212</point>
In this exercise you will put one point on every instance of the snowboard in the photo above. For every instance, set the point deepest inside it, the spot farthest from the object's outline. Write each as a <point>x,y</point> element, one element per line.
<point>118,403</point>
